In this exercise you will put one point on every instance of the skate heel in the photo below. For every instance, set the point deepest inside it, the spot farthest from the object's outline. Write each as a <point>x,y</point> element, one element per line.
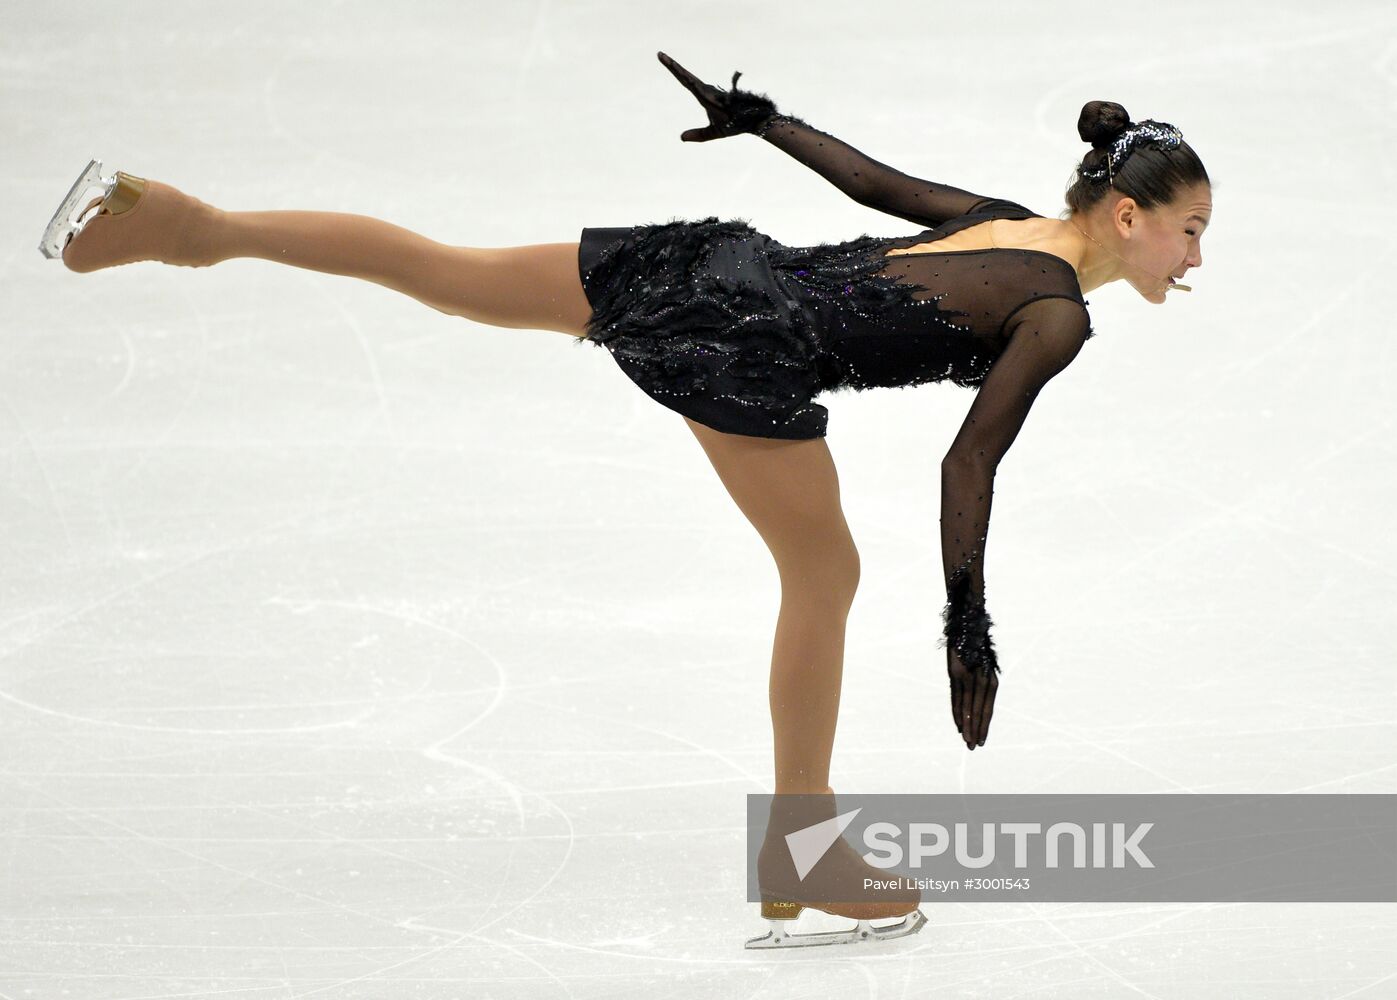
<point>778,910</point>
<point>124,195</point>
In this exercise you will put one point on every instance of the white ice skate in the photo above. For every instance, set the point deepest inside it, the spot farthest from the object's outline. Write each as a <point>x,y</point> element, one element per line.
<point>781,915</point>
<point>63,226</point>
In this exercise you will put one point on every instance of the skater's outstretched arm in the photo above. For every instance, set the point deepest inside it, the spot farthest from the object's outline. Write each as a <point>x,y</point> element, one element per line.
<point>1048,335</point>
<point>861,177</point>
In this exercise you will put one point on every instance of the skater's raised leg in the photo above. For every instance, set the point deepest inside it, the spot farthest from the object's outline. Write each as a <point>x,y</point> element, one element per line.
<point>527,287</point>
<point>524,287</point>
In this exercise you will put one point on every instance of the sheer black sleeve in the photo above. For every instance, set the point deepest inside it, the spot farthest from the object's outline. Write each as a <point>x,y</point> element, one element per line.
<point>1047,336</point>
<point>864,179</point>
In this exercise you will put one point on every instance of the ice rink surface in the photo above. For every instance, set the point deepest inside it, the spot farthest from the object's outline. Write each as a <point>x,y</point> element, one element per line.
<point>350,650</point>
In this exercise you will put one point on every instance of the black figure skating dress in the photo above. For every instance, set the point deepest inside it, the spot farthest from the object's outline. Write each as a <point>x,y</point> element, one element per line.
<point>733,329</point>
<point>736,331</point>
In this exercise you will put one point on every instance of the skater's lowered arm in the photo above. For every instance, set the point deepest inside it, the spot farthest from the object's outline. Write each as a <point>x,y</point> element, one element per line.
<point>861,177</point>
<point>1046,338</point>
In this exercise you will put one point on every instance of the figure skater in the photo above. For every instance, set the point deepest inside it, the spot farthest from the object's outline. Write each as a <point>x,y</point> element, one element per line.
<point>737,333</point>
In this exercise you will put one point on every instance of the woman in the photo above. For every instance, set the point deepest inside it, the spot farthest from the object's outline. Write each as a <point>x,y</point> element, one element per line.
<point>738,333</point>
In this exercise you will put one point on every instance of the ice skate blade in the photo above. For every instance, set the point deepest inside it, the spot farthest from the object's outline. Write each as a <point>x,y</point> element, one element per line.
<point>864,932</point>
<point>61,227</point>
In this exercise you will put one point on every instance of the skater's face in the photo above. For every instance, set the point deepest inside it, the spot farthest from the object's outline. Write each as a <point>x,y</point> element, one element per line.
<point>1163,242</point>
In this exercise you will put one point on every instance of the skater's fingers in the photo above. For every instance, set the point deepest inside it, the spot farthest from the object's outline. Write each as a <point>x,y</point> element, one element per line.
<point>989,711</point>
<point>670,64</point>
<point>694,85</point>
<point>977,708</point>
<point>983,693</point>
<point>966,714</point>
<point>959,676</point>
<point>700,134</point>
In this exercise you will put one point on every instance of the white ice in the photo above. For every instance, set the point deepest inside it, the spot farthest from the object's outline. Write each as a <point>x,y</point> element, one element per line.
<point>351,650</point>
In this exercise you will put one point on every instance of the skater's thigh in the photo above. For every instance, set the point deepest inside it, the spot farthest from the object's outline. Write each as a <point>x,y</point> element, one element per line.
<point>789,490</point>
<point>537,287</point>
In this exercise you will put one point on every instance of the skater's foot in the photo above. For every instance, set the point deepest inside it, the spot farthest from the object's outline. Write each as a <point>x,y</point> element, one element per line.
<point>143,220</point>
<point>836,883</point>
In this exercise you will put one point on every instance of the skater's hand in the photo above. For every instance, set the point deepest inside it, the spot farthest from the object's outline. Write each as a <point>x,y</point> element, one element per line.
<point>730,112</point>
<point>972,700</point>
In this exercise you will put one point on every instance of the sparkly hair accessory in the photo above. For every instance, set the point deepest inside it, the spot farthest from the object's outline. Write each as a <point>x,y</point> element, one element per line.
<point>1148,131</point>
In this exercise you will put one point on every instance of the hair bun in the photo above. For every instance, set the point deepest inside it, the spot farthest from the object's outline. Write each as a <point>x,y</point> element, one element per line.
<point>1101,122</point>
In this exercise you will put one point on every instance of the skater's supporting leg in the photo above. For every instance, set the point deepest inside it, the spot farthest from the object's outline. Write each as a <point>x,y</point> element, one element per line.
<point>789,490</point>
<point>807,668</point>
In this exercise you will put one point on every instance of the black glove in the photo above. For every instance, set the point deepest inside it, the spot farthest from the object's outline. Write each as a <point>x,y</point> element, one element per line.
<point>730,112</point>
<point>971,661</point>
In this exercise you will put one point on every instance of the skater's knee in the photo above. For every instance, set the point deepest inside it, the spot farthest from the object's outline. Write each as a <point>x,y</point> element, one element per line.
<point>827,573</point>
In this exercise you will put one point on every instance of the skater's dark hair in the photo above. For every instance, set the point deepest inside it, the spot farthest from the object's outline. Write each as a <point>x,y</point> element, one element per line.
<point>1152,173</point>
